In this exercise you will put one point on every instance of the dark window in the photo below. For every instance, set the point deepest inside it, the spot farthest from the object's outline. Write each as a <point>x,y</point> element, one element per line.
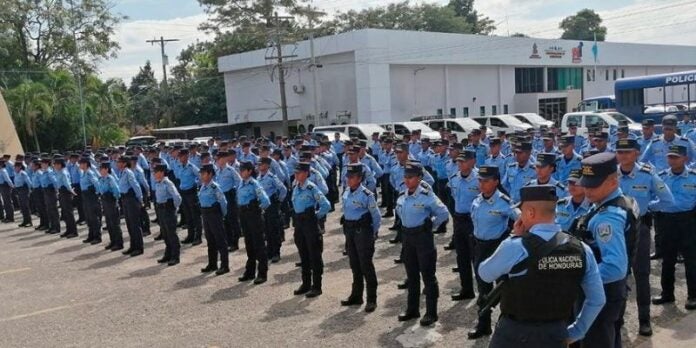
<point>589,75</point>
<point>623,73</point>
<point>482,112</point>
<point>454,126</point>
<point>606,74</point>
<point>614,74</point>
<point>494,109</point>
<point>355,132</point>
<point>505,108</point>
<point>453,111</point>
<point>439,112</point>
<point>495,122</point>
<point>480,120</point>
<point>436,124</point>
<point>574,119</point>
<point>529,80</point>
<point>400,130</point>
<point>594,121</point>
<point>559,79</point>
<point>465,112</point>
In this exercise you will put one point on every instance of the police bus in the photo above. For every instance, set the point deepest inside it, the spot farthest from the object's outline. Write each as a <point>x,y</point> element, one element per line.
<point>656,95</point>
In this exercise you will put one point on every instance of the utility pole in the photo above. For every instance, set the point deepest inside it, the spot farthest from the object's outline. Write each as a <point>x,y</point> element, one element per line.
<point>311,15</point>
<point>162,41</point>
<point>281,71</point>
<point>78,76</point>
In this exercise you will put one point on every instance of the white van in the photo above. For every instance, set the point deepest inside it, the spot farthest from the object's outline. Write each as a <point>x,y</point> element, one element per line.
<point>360,131</point>
<point>507,123</point>
<point>585,120</point>
<point>533,120</point>
<point>401,128</point>
<point>459,126</point>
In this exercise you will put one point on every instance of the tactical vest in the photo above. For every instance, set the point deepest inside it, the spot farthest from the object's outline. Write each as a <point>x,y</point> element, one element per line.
<point>631,229</point>
<point>550,288</point>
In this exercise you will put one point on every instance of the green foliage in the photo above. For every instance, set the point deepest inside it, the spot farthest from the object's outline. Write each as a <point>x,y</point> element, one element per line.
<point>583,26</point>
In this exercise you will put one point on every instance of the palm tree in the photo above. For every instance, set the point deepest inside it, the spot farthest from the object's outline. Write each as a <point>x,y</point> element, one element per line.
<point>28,102</point>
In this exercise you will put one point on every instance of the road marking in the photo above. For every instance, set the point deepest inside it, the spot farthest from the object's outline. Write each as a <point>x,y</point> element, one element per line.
<point>48,310</point>
<point>15,270</point>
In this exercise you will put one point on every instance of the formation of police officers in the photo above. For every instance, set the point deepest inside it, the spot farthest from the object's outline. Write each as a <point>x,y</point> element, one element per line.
<point>549,225</point>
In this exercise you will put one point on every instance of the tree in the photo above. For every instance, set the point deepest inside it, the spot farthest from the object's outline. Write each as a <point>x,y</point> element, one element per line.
<point>28,102</point>
<point>144,98</point>
<point>479,23</point>
<point>584,25</point>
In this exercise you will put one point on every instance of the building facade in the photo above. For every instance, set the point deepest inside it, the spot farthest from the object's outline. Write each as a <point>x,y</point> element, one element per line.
<point>381,76</point>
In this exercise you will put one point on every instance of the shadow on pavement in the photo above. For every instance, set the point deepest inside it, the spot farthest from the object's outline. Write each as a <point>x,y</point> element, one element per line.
<point>297,305</point>
<point>343,322</point>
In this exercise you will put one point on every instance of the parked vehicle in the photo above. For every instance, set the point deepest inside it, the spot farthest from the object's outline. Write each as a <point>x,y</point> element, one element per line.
<point>317,135</point>
<point>144,140</point>
<point>507,123</point>
<point>360,131</point>
<point>459,126</point>
<point>533,120</point>
<point>585,120</point>
<point>401,128</point>
<point>598,104</point>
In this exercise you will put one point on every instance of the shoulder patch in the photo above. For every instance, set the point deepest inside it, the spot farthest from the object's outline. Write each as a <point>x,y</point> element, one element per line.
<point>212,185</point>
<point>511,164</point>
<point>453,175</point>
<point>558,184</point>
<point>505,197</point>
<point>655,140</point>
<point>563,201</point>
<point>664,172</point>
<point>402,193</point>
<point>367,192</point>
<point>646,168</point>
<point>310,186</point>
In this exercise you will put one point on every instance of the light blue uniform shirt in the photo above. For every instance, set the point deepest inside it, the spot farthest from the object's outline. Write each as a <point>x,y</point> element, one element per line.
<point>227,178</point>
<point>22,179</point>
<point>414,147</point>
<point>337,146</point>
<point>140,177</point>
<point>371,163</point>
<point>308,196</point>
<point>414,208</point>
<point>397,177</point>
<point>511,252</point>
<point>464,190</point>
<point>607,229</point>
<point>88,179</point>
<point>482,151</point>
<point>273,185</point>
<point>188,176</point>
<point>368,179</point>
<point>490,216</point>
<point>501,161</point>
<point>505,148</point>
<point>5,177</point>
<point>247,157</point>
<point>358,202</point>
<point>424,157</point>
<point>126,182</point>
<point>564,166</point>
<point>643,142</point>
<point>142,162</point>
<point>166,190</point>
<point>209,194</point>
<point>438,162</point>
<point>516,177</point>
<point>376,148</point>
<point>643,184</point>
<point>63,179</point>
<point>249,190</point>
<point>561,190</point>
<point>567,212</point>
<point>683,188</point>
<point>656,151</point>
<point>74,171</point>
<point>318,180</point>
<point>387,160</point>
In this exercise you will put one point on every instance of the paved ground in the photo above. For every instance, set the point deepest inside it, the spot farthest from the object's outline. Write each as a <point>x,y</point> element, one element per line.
<point>56,292</point>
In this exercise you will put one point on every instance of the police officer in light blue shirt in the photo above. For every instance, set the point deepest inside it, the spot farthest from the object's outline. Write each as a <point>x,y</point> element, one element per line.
<point>6,186</point>
<point>545,166</point>
<point>375,146</point>
<point>90,200</point>
<point>167,201</point>
<point>277,192</point>
<point>65,196</point>
<point>110,194</point>
<point>606,236</point>
<point>647,135</point>
<point>520,172</point>
<point>546,271</point>
<point>338,147</point>
<point>252,199</point>
<point>481,149</point>
<point>213,210</point>
<point>656,152</point>
<point>497,157</point>
<point>188,175</point>
<point>567,160</point>
<point>132,201</point>
<point>573,206</point>
<point>368,177</point>
<point>22,186</point>
<point>246,155</point>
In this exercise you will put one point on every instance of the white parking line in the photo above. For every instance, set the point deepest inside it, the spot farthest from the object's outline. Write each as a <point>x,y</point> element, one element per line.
<point>15,270</point>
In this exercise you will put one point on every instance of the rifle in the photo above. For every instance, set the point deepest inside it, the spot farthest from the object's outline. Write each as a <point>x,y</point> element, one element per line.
<point>493,297</point>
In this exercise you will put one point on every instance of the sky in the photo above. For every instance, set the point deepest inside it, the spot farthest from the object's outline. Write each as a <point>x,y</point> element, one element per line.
<point>639,21</point>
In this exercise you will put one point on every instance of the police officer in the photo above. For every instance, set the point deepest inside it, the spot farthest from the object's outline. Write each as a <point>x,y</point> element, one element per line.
<point>213,209</point>
<point>579,141</point>
<point>544,270</point>
<point>37,195</point>
<point>73,168</point>
<point>306,197</point>
<point>6,185</point>
<point>361,222</point>
<point>656,152</point>
<point>90,201</point>
<point>496,157</point>
<point>610,220</point>
<point>110,194</point>
<point>465,188</point>
<point>421,212</point>
<point>491,212</point>
<point>545,166</point>
<point>676,224</point>
<point>520,172</point>
<point>568,160</point>
<point>251,199</point>
<point>648,134</point>
<point>571,207</point>
<point>439,164</point>
<point>228,179</point>
<point>477,146</point>
<point>131,200</point>
<point>387,160</point>
<point>22,185</point>
<point>167,201</point>
<point>65,194</point>
<point>642,183</point>
<point>187,173</point>
<point>276,192</point>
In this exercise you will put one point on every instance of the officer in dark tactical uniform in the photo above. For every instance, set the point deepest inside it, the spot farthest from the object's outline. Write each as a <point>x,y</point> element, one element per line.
<point>361,221</point>
<point>543,271</point>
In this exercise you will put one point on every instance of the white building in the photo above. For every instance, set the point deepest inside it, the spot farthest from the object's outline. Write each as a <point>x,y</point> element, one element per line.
<point>378,76</point>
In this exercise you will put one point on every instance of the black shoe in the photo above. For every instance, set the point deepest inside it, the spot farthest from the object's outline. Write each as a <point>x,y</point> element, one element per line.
<point>478,333</point>
<point>303,289</point>
<point>108,246</point>
<point>658,300</point>
<point>440,232</point>
<point>87,241</point>
<point>406,316</point>
<point>70,235</point>
<point>455,270</point>
<point>690,304</point>
<point>173,262</point>
<point>137,252</point>
<point>463,296</point>
<point>116,247</point>
<point>105,228</point>
<point>39,228</point>
<point>127,251</point>
<point>370,307</point>
<point>403,285</point>
<point>159,237</point>
<point>95,241</point>
<point>63,235</point>
<point>680,259</point>
<point>245,278</point>
<point>388,214</point>
<point>187,241</point>
<point>259,280</point>
<point>394,241</point>
<point>233,248</point>
<point>196,242</point>
<point>52,232</point>
<point>163,260</point>
<point>449,247</point>
<point>352,301</point>
<point>428,319</point>
<point>146,233</point>
<point>393,228</point>
<point>344,252</point>
<point>222,271</point>
<point>80,222</point>
<point>655,256</point>
<point>398,261</point>
<point>383,205</point>
<point>208,269</point>
<point>275,259</point>
<point>644,329</point>
<point>313,293</point>
<point>298,264</point>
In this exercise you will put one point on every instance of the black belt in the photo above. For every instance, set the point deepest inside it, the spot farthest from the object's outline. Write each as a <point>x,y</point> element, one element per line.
<point>214,209</point>
<point>493,241</point>
<point>417,229</point>
<point>306,215</point>
<point>462,215</point>
<point>251,206</point>
<point>680,214</point>
<point>4,185</point>
<point>188,191</point>
<point>168,204</point>
<point>364,221</point>
<point>130,193</point>
<point>531,322</point>
<point>90,190</point>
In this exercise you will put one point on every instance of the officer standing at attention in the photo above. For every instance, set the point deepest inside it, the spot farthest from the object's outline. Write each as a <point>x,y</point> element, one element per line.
<point>490,213</point>
<point>110,194</point>
<point>520,172</point>
<point>361,222</point>
<point>642,183</point>
<point>573,206</point>
<point>167,201</point>
<point>187,174</point>
<point>6,185</point>
<point>545,270</point>
<point>568,160</point>
<point>65,195</point>
<point>306,197</point>
<point>252,199</point>
<point>676,223</point>
<point>421,212</point>
<point>228,179</point>
<point>608,225</point>
<point>23,184</point>
<point>131,200</point>
<point>90,201</point>
<point>276,192</point>
<point>37,195</point>
<point>497,158</point>
<point>73,168</point>
<point>213,209</point>
<point>656,152</point>
<point>465,188</point>
<point>545,166</point>
<point>648,134</point>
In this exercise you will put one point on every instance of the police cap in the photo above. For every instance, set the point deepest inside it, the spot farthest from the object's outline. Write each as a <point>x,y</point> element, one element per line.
<point>601,135</point>
<point>567,140</point>
<point>648,122</point>
<point>222,154</point>
<point>302,166</point>
<point>545,159</point>
<point>246,165</point>
<point>488,172</point>
<point>538,193</point>
<point>669,121</point>
<point>183,152</point>
<point>160,168</point>
<point>523,146</point>
<point>596,168</point>
<point>413,168</point>
<point>354,169</point>
<point>575,175</point>
<point>677,150</point>
<point>627,145</point>
<point>495,141</point>
<point>265,160</point>
<point>84,160</point>
<point>403,147</point>
<point>105,165</point>
<point>208,168</point>
<point>466,155</point>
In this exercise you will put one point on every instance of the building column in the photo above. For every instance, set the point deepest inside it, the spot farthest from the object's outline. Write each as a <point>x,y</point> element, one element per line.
<point>373,92</point>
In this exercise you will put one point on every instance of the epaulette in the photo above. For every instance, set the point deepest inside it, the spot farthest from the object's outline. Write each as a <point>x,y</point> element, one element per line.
<point>366,191</point>
<point>505,198</point>
<point>646,168</point>
<point>425,190</point>
<point>529,183</point>
<point>512,164</point>
<point>563,201</point>
<point>212,185</point>
<point>558,184</point>
<point>664,172</point>
<point>654,140</point>
<point>453,175</point>
<point>310,187</point>
<point>402,193</point>
<point>692,170</point>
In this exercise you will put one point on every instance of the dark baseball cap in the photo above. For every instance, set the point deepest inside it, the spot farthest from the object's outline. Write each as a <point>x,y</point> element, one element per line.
<point>677,150</point>
<point>596,168</point>
<point>545,159</point>
<point>488,172</point>
<point>466,155</point>
<point>538,193</point>
<point>627,145</point>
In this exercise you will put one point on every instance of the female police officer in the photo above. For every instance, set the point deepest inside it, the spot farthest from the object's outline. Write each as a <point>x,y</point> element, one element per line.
<point>417,206</point>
